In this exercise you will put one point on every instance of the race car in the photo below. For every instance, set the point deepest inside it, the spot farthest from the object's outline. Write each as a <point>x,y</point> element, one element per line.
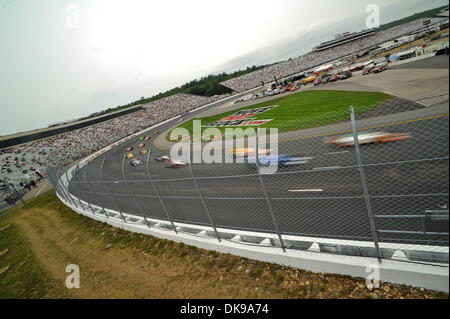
<point>143,151</point>
<point>380,67</point>
<point>368,69</point>
<point>141,138</point>
<point>367,138</point>
<point>141,145</point>
<point>128,149</point>
<point>345,75</point>
<point>175,163</point>
<point>309,79</point>
<point>279,160</point>
<point>147,138</point>
<point>326,80</point>
<point>246,151</point>
<point>136,162</point>
<point>162,158</point>
<point>334,78</point>
<point>130,155</point>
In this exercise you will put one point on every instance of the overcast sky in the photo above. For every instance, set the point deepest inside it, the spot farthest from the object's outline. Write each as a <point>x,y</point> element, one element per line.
<point>62,59</point>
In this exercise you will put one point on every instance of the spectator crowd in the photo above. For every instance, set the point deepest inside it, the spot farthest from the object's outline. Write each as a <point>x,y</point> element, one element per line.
<point>21,166</point>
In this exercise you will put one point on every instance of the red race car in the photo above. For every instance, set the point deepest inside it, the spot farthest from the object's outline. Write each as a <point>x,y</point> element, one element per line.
<point>334,78</point>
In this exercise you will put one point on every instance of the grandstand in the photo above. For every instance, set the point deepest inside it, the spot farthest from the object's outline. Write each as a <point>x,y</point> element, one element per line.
<point>24,154</point>
<point>343,38</point>
<point>443,13</point>
<point>60,128</point>
<point>316,58</point>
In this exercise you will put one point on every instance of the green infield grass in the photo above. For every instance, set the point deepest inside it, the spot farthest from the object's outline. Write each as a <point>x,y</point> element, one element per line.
<point>305,109</point>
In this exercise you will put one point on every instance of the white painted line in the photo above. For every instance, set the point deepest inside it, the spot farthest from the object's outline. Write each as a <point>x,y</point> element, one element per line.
<point>41,189</point>
<point>332,153</point>
<point>306,190</point>
<point>330,167</point>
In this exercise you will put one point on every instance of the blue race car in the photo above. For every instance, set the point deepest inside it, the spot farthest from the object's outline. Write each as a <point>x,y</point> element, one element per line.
<point>280,160</point>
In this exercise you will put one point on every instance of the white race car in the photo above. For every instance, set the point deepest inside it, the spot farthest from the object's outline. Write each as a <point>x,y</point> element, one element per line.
<point>175,163</point>
<point>162,158</point>
<point>136,162</point>
<point>367,138</point>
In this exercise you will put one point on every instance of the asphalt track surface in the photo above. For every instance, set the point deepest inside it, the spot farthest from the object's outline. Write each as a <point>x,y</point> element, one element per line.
<point>438,62</point>
<point>322,198</point>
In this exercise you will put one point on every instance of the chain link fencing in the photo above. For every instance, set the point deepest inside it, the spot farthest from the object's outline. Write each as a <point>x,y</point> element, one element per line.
<point>364,180</point>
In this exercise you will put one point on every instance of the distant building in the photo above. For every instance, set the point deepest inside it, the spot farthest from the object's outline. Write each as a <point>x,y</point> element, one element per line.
<point>343,38</point>
<point>443,13</point>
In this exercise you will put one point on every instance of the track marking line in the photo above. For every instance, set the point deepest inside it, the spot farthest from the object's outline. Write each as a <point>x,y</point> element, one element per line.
<point>306,190</point>
<point>405,98</point>
<point>329,167</point>
<point>41,189</point>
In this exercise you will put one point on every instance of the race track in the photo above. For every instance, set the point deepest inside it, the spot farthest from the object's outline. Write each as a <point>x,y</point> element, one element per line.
<point>323,198</point>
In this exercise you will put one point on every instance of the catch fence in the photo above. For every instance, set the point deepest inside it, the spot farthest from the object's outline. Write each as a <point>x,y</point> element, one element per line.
<point>362,181</point>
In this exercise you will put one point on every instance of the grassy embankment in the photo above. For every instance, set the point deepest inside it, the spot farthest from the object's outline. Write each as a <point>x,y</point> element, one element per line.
<point>45,236</point>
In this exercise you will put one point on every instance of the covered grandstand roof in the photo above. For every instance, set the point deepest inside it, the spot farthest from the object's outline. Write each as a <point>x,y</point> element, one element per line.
<point>23,137</point>
<point>343,38</point>
<point>324,68</point>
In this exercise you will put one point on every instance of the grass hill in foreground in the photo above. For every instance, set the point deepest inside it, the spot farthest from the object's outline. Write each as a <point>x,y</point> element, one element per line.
<point>39,240</point>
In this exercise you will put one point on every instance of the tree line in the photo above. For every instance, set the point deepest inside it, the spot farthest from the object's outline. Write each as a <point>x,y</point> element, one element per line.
<point>205,86</point>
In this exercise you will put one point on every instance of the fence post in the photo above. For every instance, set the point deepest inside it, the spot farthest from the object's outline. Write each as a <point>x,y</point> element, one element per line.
<point>131,192</point>
<point>68,185</point>
<point>89,204</point>
<point>66,190</point>
<point>264,189</point>
<point>364,184</point>
<point>110,193</point>
<point>55,173</point>
<point>93,189</point>
<point>54,179</point>
<point>199,192</point>
<point>78,169</point>
<point>157,192</point>
<point>71,155</point>
<point>19,196</point>
<point>79,200</point>
<point>51,172</point>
